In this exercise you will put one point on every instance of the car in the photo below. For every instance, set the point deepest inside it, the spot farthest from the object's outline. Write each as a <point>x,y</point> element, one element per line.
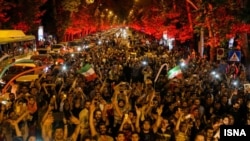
<point>64,43</point>
<point>76,45</point>
<point>45,59</point>
<point>18,68</point>
<point>27,78</point>
<point>57,48</point>
<point>42,51</point>
<point>18,82</point>
<point>4,60</point>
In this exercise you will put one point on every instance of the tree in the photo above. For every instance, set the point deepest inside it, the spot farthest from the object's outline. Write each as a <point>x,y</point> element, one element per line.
<point>215,18</point>
<point>25,15</point>
<point>71,5</point>
<point>158,17</point>
<point>3,15</point>
<point>244,31</point>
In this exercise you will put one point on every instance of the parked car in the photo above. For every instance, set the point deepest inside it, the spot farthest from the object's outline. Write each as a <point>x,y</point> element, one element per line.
<point>4,60</point>
<point>42,50</point>
<point>18,68</point>
<point>76,45</point>
<point>45,59</point>
<point>57,48</point>
<point>27,78</point>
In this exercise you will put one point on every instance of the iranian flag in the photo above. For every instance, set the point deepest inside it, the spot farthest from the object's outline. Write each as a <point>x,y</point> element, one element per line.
<point>175,72</point>
<point>88,72</point>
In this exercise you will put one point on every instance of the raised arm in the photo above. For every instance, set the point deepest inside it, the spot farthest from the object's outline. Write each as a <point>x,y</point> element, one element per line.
<point>91,120</point>
<point>46,123</point>
<point>127,106</point>
<point>137,122</point>
<point>104,112</point>
<point>22,117</point>
<point>17,129</point>
<point>177,126</point>
<point>115,104</point>
<point>75,121</point>
<point>2,115</point>
<point>126,119</point>
<point>159,119</point>
<point>16,122</point>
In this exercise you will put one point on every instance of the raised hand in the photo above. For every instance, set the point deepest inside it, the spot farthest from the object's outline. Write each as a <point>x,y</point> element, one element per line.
<point>49,120</point>
<point>12,122</point>
<point>138,111</point>
<point>92,106</point>
<point>159,110</point>
<point>74,120</point>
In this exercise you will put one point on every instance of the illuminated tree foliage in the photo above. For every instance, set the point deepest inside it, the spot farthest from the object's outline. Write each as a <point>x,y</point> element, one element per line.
<point>98,16</point>
<point>25,15</point>
<point>181,19</point>
<point>71,5</point>
<point>161,17</point>
<point>217,19</point>
<point>3,15</point>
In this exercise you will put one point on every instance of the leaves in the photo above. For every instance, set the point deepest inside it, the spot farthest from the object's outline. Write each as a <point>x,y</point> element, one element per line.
<point>71,5</point>
<point>3,8</point>
<point>24,15</point>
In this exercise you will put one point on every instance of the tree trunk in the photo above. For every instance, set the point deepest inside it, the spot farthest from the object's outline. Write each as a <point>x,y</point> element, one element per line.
<point>189,16</point>
<point>244,48</point>
<point>201,43</point>
<point>210,34</point>
<point>245,51</point>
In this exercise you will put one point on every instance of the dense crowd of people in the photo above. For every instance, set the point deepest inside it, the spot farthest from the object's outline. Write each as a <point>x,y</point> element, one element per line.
<point>127,102</point>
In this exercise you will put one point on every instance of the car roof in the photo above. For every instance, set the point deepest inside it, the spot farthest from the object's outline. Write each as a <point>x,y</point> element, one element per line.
<point>26,64</point>
<point>58,45</point>
<point>41,49</point>
<point>40,56</point>
<point>27,78</point>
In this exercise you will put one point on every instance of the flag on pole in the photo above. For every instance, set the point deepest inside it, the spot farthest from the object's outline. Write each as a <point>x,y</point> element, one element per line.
<point>175,72</point>
<point>88,72</point>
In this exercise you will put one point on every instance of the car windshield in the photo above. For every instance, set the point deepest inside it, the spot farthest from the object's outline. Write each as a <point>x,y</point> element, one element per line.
<point>39,57</point>
<point>42,51</point>
<point>42,59</point>
<point>74,44</point>
<point>56,46</point>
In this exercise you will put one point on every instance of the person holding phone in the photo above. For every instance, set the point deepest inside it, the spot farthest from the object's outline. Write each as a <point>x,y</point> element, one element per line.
<point>127,127</point>
<point>121,107</point>
<point>98,132</point>
<point>60,132</point>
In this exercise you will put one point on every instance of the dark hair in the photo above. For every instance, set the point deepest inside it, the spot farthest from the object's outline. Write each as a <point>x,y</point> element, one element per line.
<point>147,120</point>
<point>209,128</point>
<point>87,137</point>
<point>225,116</point>
<point>199,134</point>
<point>100,124</point>
<point>121,100</point>
<point>135,133</point>
<point>120,132</point>
<point>176,109</point>
<point>58,125</point>
<point>30,136</point>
